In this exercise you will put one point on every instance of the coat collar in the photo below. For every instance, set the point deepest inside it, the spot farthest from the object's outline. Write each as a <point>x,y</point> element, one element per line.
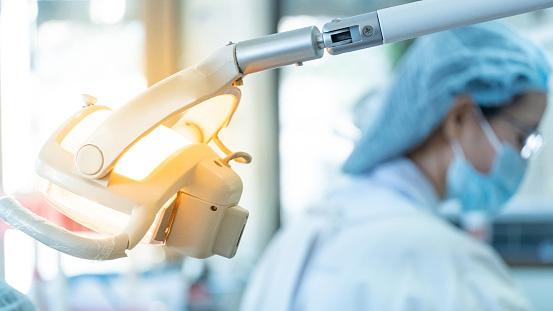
<point>393,187</point>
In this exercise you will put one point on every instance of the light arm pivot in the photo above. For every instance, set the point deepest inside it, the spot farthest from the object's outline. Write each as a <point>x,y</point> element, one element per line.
<point>375,28</point>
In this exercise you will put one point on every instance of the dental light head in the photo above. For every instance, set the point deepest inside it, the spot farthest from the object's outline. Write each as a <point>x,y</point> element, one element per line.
<point>145,172</point>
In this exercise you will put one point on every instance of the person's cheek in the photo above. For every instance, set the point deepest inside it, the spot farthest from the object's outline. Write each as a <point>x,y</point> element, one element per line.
<point>516,141</point>
<point>509,135</point>
<point>478,150</point>
<point>485,155</point>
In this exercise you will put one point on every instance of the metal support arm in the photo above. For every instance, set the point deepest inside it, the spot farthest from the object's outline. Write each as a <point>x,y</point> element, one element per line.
<point>375,28</point>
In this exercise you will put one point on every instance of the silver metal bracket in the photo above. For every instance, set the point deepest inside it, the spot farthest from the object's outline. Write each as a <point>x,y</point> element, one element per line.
<point>305,44</point>
<point>352,33</point>
<point>280,49</point>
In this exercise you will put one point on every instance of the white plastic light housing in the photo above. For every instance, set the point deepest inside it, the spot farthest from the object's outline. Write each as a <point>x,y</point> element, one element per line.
<point>144,172</point>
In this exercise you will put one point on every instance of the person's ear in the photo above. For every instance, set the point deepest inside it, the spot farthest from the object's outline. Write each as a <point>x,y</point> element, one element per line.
<point>458,117</point>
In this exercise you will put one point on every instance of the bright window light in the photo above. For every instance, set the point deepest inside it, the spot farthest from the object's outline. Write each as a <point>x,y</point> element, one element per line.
<point>19,260</point>
<point>15,68</point>
<point>107,11</point>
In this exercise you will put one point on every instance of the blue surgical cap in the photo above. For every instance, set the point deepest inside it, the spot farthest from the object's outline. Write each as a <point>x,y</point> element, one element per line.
<point>489,62</point>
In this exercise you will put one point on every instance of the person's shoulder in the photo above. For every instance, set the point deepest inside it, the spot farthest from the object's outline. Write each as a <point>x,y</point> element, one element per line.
<point>428,264</point>
<point>440,234</point>
<point>427,236</point>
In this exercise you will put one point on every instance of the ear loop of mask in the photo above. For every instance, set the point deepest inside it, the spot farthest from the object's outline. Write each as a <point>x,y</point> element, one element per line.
<point>457,149</point>
<point>488,130</point>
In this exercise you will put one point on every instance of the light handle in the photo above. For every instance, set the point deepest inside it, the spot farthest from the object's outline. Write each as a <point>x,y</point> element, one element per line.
<point>52,235</point>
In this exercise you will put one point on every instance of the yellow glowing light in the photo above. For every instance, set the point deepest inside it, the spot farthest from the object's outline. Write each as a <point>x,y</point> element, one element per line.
<point>139,161</point>
<point>88,213</point>
<point>142,158</point>
<point>92,215</point>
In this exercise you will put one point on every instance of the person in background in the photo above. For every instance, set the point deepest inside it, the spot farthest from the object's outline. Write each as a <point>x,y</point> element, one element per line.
<point>458,122</point>
<point>12,300</point>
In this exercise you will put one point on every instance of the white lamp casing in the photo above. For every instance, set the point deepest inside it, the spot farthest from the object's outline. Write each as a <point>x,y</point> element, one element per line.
<point>187,200</point>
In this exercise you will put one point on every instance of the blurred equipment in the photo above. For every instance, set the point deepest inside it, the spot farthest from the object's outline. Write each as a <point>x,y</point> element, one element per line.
<point>145,173</point>
<point>11,299</point>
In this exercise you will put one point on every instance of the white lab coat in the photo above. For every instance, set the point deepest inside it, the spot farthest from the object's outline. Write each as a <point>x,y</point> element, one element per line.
<point>380,246</point>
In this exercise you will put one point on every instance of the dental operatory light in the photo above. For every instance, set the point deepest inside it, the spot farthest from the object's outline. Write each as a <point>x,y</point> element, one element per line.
<point>145,173</point>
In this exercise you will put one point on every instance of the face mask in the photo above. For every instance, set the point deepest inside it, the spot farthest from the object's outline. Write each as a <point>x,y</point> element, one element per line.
<point>485,192</point>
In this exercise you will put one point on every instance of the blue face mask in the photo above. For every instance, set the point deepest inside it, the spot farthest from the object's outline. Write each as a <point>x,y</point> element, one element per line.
<point>485,192</point>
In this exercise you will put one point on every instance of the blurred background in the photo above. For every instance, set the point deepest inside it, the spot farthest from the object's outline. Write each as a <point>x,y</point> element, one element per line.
<point>296,122</point>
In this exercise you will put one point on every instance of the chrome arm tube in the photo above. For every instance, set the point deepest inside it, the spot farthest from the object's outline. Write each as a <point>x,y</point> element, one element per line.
<point>279,49</point>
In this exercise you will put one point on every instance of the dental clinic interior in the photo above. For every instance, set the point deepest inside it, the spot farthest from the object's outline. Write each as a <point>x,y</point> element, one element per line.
<point>270,128</point>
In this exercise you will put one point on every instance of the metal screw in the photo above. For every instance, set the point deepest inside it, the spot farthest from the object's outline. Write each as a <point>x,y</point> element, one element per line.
<point>368,31</point>
<point>238,82</point>
<point>214,208</point>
